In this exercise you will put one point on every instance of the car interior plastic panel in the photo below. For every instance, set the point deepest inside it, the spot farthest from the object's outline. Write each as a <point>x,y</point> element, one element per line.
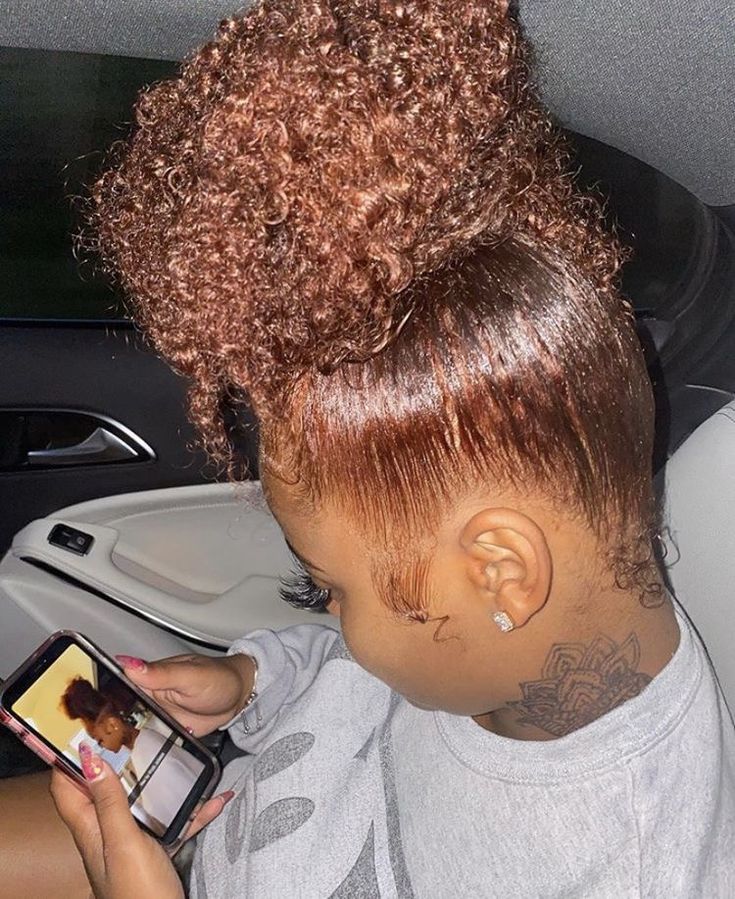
<point>700,541</point>
<point>34,604</point>
<point>202,563</point>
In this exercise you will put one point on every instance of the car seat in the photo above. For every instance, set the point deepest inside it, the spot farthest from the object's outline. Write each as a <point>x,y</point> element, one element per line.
<point>700,537</point>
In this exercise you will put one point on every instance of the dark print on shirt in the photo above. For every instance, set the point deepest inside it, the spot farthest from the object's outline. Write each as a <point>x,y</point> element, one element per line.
<point>362,881</point>
<point>287,815</point>
<point>236,824</point>
<point>580,684</point>
<point>339,650</point>
<point>282,817</point>
<point>282,754</point>
<point>364,750</point>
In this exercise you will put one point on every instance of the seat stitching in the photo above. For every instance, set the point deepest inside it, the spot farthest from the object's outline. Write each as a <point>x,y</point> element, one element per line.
<point>727,413</point>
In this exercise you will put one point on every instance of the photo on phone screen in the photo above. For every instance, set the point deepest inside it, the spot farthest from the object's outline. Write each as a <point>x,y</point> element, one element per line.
<point>76,698</point>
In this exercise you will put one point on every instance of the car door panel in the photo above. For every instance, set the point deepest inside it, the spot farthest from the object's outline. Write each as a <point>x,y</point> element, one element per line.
<point>99,370</point>
<point>188,568</point>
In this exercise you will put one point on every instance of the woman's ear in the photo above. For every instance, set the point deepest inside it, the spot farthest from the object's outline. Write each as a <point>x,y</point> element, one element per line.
<point>508,563</point>
<point>110,724</point>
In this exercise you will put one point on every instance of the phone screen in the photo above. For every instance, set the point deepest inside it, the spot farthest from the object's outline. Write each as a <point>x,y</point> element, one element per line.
<point>69,696</point>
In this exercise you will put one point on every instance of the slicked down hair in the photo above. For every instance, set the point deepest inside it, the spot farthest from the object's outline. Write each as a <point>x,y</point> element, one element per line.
<point>511,371</point>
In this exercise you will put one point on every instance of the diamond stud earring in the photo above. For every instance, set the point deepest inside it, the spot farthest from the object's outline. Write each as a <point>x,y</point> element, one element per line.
<point>503,621</point>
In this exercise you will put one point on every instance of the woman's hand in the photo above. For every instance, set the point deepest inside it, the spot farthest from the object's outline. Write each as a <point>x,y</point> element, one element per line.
<point>200,692</point>
<point>121,861</point>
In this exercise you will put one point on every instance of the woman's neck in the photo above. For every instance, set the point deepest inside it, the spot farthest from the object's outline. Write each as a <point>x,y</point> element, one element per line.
<point>591,665</point>
<point>131,735</point>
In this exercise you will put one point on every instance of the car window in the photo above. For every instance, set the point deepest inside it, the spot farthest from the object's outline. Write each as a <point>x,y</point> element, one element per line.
<point>57,112</point>
<point>60,110</point>
<point>666,226</point>
<point>680,273</point>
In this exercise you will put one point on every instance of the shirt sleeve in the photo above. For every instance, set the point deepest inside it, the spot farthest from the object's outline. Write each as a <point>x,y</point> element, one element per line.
<point>288,662</point>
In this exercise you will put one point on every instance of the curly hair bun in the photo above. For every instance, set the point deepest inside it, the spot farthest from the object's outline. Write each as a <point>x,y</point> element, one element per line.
<point>81,699</point>
<point>311,162</point>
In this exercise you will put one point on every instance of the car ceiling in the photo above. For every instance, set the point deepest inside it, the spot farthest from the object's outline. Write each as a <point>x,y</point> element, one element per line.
<point>652,79</point>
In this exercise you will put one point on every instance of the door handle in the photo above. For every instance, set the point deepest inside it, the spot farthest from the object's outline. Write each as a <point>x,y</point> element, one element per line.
<point>101,446</point>
<point>49,438</point>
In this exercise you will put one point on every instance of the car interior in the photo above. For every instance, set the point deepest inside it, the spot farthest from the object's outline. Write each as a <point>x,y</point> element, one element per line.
<point>114,524</point>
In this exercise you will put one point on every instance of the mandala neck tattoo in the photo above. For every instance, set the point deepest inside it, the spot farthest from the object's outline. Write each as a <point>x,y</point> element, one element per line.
<point>580,683</point>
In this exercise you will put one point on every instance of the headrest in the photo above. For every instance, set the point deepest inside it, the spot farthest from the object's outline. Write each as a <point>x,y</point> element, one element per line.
<point>700,543</point>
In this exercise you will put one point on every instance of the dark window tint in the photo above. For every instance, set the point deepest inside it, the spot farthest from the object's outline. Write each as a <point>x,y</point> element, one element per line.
<point>681,280</point>
<point>667,227</point>
<point>680,276</point>
<point>58,113</point>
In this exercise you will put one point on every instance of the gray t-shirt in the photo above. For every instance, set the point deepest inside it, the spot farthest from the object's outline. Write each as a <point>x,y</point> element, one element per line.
<point>351,792</point>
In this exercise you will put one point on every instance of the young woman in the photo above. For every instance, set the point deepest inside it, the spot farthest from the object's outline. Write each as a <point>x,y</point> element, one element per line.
<point>355,215</point>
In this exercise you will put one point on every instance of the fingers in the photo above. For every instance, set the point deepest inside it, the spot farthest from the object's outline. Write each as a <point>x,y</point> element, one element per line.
<point>73,804</point>
<point>115,819</point>
<point>208,812</point>
<point>166,674</point>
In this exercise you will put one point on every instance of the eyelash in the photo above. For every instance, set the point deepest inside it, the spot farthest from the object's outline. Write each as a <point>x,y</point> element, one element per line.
<point>300,591</point>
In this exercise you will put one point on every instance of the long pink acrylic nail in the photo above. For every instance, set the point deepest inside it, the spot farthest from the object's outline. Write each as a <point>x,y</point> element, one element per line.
<point>91,763</point>
<point>132,662</point>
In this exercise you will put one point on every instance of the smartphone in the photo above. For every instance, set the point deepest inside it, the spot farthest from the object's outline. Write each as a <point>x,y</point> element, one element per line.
<point>69,691</point>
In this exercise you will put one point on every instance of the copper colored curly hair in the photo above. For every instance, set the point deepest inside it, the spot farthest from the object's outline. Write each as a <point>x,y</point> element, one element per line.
<point>296,195</point>
<point>310,162</point>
